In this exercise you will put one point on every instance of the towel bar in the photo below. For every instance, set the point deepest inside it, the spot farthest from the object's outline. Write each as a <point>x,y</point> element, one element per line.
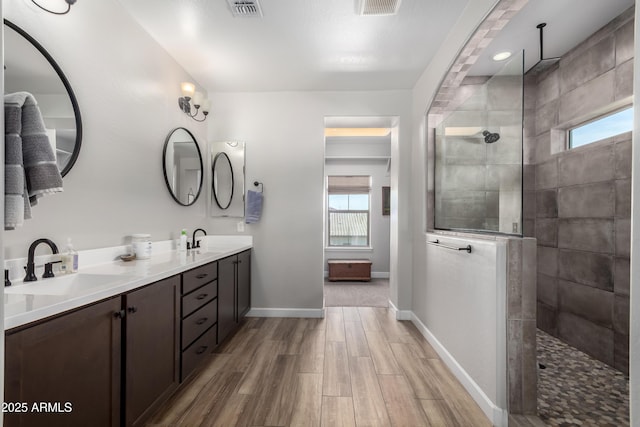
<point>455,248</point>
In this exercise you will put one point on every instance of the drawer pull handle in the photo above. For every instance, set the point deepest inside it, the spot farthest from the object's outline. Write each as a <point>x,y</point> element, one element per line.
<point>202,296</point>
<point>202,349</point>
<point>201,321</point>
<point>202,276</point>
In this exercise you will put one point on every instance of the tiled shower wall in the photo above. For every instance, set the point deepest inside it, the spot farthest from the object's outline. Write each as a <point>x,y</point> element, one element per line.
<point>577,202</point>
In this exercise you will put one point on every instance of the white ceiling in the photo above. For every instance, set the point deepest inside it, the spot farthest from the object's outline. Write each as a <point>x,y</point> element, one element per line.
<point>298,44</point>
<point>569,22</point>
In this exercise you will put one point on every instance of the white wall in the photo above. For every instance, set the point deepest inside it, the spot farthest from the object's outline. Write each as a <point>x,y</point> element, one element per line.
<point>284,135</point>
<point>634,339</point>
<point>127,89</point>
<point>380,231</point>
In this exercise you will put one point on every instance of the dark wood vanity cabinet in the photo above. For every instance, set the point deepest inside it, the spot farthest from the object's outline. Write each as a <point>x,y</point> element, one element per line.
<point>152,358</point>
<point>199,316</point>
<point>68,367</point>
<point>234,292</point>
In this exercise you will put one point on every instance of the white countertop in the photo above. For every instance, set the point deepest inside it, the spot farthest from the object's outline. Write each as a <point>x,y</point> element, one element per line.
<point>103,278</point>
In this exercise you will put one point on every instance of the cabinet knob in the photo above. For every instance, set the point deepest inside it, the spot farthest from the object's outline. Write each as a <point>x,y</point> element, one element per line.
<point>132,309</point>
<point>202,349</point>
<point>119,314</point>
<point>201,321</point>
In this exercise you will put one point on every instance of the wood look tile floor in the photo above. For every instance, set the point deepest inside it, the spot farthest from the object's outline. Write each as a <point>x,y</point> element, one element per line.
<point>356,367</point>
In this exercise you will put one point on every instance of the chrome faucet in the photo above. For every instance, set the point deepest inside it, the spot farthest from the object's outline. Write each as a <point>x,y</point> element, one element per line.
<point>195,244</point>
<point>48,271</point>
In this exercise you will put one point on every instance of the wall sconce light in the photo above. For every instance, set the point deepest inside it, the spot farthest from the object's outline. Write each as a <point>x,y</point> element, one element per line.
<point>69,3</point>
<point>189,94</point>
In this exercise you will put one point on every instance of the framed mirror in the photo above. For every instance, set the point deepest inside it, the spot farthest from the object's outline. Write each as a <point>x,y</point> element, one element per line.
<point>182,166</point>
<point>222,186</point>
<point>30,68</point>
<point>227,179</point>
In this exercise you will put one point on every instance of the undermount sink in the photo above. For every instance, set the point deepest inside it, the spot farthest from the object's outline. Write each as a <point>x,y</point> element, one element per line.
<point>62,285</point>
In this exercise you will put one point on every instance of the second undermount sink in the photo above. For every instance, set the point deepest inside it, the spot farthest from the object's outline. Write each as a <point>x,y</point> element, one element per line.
<point>63,285</point>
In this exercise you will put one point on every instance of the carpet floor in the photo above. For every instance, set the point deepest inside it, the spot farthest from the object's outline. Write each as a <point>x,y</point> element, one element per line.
<point>357,294</point>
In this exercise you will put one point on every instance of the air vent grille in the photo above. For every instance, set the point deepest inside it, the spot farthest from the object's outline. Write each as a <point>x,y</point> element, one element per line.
<point>245,8</point>
<point>378,7</point>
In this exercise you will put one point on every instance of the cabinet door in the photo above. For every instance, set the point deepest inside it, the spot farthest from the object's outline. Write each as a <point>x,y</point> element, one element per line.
<point>69,363</point>
<point>151,346</point>
<point>244,283</point>
<point>226,297</point>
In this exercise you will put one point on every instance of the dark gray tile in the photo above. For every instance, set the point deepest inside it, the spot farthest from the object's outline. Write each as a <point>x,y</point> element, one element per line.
<point>548,88</point>
<point>548,290</point>
<point>547,204</point>
<point>622,277</point>
<point>624,43</point>
<point>542,149</point>
<point>624,80</point>
<point>623,159</point>
<point>581,100</point>
<point>547,175</point>
<point>595,235</point>
<point>463,204</point>
<point>592,339</point>
<point>514,365</point>
<point>504,177</point>
<point>547,319</point>
<point>623,198</point>
<point>586,268</point>
<point>529,228</point>
<point>547,261</point>
<point>514,279</point>
<point>547,231</point>
<point>528,177</point>
<point>529,205</point>
<point>529,278</point>
<point>546,117</point>
<point>587,201</point>
<point>592,304</point>
<point>583,68</point>
<point>529,368</point>
<point>621,315</point>
<point>463,177</point>
<point>623,237</point>
<point>621,353</point>
<point>586,166</point>
<point>492,204</point>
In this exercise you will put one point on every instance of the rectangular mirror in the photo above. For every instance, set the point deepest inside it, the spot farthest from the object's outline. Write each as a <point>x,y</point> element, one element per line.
<point>227,179</point>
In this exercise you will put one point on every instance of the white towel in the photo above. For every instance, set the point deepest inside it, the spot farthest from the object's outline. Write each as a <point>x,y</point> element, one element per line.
<point>254,207</point>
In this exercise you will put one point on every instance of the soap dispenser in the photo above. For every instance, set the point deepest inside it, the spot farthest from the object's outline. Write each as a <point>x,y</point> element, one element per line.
<point>69,259</point>
<point>183,241</point>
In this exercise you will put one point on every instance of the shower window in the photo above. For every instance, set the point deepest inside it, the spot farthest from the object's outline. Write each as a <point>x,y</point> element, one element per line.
<point>349,211</point>
<point>478,157</point>
<point>603,127</point>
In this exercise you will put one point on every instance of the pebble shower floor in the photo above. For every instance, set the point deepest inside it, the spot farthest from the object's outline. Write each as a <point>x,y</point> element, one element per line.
<point>577,390</point>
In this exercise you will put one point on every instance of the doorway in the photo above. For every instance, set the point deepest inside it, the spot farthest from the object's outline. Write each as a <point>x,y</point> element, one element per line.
<point>357,210</point>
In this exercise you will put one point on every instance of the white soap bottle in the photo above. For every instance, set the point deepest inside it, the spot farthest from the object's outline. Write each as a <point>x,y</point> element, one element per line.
<point>183,241</point>
<point>69,259</point>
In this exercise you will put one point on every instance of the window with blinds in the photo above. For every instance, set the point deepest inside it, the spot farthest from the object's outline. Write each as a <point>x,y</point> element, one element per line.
<point>348,215</point>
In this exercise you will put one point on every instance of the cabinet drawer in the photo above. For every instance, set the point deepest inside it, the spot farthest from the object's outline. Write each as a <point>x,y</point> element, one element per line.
<point>198,298</point>
<point>194,325</point>
<point>198,351</point>
<point>197,277</point>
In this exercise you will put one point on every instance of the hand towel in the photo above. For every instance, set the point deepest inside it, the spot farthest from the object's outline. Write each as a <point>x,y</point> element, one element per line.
<point>254,207</point>
<point>30,163</point>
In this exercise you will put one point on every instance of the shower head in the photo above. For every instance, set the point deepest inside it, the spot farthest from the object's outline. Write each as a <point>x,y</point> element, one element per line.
<point>489,137</point>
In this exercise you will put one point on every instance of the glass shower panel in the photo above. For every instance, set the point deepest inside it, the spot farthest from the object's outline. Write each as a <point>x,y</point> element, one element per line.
<point>478,157</point>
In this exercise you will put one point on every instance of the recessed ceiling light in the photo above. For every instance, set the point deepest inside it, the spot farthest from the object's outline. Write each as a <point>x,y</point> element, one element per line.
<point>501,56</point>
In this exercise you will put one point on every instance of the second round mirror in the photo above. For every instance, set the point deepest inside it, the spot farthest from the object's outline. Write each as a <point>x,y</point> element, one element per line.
<point>222,180</point>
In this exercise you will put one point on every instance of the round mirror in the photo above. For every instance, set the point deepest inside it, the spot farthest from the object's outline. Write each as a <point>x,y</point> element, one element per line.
<point>30,68</point>
<point>222,180</point>
<point>182,164</point>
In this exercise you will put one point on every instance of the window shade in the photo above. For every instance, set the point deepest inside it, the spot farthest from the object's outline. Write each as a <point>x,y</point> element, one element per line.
<point>349,184</point>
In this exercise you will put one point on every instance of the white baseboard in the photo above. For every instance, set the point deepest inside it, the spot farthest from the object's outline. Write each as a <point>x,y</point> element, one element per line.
<point>317,313</point>
<point>497,415</point>
<point>400,314</point>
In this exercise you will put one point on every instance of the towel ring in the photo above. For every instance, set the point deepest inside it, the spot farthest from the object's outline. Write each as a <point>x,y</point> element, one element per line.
<point>259,184</point>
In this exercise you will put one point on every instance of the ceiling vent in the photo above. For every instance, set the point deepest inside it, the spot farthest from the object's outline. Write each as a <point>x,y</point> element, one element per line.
<point>378,7</point>
<point>245,8</point>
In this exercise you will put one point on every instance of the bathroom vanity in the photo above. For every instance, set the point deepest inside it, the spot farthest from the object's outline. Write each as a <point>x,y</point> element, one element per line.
<point>114,360</point>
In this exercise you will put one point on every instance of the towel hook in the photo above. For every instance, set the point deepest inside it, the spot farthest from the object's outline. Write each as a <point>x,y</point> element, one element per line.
<point>259,184</point>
